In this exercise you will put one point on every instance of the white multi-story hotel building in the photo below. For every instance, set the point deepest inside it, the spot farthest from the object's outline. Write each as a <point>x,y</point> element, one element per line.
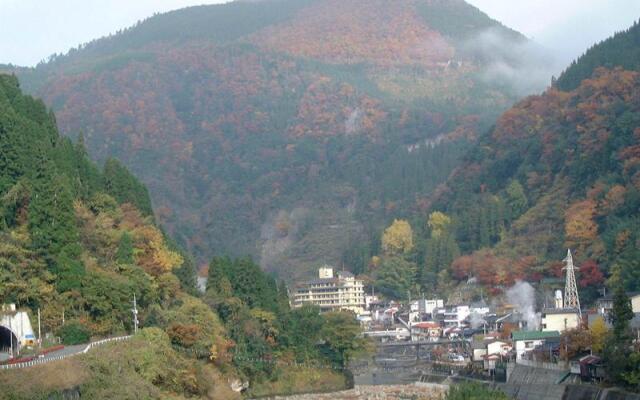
<point>332,293</point>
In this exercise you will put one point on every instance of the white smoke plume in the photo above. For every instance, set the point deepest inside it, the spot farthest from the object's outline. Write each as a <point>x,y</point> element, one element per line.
<point>476,320</point>
<point>523,296</point>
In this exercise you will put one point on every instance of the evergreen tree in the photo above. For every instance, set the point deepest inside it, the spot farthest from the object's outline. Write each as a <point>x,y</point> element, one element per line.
<point>218,284</point>
<point>187,274</point>
<point>628,268</point>
<point>516,198</point>
<point>51,213</point>
<point>251,285</point>
<point>10,168</point>
<point>283,297</point>
<point>396,277</point>
<point>621,361</point>
<point>440,250</point>
<point>125,187</point>
<point>621,314</point>
<point>88,175</point>
<point>484,233</point>
<point>124,255</point>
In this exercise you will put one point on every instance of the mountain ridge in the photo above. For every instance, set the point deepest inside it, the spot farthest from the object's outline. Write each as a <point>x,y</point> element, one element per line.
<point>247,131</point>
<point>620,50</point>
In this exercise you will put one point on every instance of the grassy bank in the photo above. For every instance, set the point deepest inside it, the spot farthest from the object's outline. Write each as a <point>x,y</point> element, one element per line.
<point>300,380</point>
<point>145,367</point>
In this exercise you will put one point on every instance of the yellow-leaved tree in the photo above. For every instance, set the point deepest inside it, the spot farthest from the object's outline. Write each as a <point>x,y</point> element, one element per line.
<point>398,238</point>
<point>438,223</point>
<point>152,252</point>
<point>580,228</point>
<point>599,332</point>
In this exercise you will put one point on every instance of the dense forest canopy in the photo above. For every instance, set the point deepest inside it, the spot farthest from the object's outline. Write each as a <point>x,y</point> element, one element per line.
<point>557,171</point>
<point>77,229</point>
<point>77,242</point>
<point>294,151</point>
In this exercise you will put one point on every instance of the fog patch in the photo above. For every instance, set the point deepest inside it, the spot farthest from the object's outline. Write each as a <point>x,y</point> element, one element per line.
<point>522,66</point>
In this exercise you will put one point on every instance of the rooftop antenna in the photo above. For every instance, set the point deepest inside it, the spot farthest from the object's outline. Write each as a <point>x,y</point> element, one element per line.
<point>571,299</point>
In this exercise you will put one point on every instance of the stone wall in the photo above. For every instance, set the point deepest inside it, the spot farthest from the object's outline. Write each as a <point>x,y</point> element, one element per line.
<point>417,391</point>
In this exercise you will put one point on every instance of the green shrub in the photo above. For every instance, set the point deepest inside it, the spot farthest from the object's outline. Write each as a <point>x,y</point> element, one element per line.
<point>74,332</point>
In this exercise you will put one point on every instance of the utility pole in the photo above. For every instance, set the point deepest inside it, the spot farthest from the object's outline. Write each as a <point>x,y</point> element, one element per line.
<point>134,310</point>
<point>10,339</point>
<point>39,330</point>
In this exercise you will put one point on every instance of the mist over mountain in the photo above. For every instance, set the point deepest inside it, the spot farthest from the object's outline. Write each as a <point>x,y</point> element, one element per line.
<point>558,170</point>
<point>290,150</point>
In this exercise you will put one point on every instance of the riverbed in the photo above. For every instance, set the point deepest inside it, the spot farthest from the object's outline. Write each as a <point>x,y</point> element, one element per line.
<point>415,391</point>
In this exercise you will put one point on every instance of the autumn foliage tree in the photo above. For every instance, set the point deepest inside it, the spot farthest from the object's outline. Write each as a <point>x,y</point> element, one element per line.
<point>398,238</point>
<point>598,331</point>
<point>184,335</point>
<point>154,255</point>
<point>580,228</point>
<point>575,342</point>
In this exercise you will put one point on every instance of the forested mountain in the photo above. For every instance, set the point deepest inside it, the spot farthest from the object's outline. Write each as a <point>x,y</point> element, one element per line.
<point>559,170</point>
<point>77,242</point>
<point>73,225</point>
<point>294,151</point>
<point>621,50</point>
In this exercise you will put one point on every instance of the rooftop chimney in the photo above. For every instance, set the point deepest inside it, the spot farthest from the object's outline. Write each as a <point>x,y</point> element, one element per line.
<point>558,299</point>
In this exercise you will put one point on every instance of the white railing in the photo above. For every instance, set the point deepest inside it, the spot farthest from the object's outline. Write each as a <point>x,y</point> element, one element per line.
<point>46,359</point>
<point>103,341</point>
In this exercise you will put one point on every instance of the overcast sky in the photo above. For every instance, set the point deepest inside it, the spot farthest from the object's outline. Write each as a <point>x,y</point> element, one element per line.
<point>31,30</point>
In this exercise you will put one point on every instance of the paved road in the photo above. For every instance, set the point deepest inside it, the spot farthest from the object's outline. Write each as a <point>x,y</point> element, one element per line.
<point>63,353</point>
<point>68,350</point>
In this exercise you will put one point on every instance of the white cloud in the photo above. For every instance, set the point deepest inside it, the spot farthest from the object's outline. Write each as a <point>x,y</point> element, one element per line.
<point>566,27</point>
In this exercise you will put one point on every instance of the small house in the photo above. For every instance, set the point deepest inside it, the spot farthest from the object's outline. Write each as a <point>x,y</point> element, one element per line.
<point>560,319</point>
<point>427,330</point>
<point>526,341</point>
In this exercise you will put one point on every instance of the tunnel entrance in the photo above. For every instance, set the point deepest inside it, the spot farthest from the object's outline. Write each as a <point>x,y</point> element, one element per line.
<point>7,339</point>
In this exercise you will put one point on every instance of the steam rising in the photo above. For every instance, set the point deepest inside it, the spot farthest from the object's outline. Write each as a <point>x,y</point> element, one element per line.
<point>476,320</point>
<point>523,296</point>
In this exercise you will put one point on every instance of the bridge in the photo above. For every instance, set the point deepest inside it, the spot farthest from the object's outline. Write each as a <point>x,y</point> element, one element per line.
<point>426,343</point>
<point>398,334</point>
<point>401,352</point>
